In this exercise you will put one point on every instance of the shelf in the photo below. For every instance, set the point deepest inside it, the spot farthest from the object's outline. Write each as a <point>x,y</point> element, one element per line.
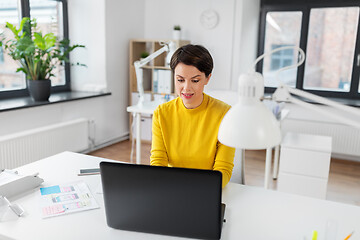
<point>160,67</point>
<point>136,47</point>
<point>147,67</point>
<point>156,67</point>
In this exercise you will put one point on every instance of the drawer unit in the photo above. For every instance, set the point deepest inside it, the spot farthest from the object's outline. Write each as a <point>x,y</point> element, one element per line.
<point>146,129</point>
<point>302,185</point>
<point>304,164</point>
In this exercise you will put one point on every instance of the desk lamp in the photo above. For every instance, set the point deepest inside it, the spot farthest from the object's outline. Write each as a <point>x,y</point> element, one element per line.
<point>249,124</point>
<point>168,47</point>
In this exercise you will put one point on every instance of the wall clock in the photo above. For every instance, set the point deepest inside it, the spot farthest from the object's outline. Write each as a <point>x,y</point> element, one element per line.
<point>209,19</point>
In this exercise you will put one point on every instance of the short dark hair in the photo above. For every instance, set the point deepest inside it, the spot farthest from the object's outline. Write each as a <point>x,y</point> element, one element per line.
<point>194,55</point>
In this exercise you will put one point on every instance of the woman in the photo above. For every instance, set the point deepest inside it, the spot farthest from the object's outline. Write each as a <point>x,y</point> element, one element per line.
<point>185,129</point>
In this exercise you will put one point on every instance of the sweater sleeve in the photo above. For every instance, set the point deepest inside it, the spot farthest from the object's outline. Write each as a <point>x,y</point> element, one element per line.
<point>159,156</point>
<point>224,162</point>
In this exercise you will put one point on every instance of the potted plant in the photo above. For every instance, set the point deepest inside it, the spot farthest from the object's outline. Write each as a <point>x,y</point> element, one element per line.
<point>177,32</point>
<point>37,55</point>
<point>144,55</point>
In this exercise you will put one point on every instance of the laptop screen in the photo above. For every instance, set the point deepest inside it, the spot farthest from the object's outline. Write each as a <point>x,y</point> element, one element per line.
<point>171,201</point>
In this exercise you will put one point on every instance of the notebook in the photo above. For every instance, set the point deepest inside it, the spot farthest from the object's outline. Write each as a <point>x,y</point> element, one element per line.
<point>163,200</point>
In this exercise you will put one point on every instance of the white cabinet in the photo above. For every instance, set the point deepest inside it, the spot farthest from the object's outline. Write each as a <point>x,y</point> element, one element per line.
<point>146,119</point>
<point>146,125</point>
<point>304,164</point>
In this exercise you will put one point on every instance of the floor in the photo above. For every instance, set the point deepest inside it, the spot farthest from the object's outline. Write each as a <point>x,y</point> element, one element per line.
<point>343,184</point>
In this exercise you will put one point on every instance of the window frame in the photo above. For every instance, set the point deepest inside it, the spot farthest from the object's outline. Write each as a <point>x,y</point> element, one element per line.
<point>305,7</point>
<point>24,8</point>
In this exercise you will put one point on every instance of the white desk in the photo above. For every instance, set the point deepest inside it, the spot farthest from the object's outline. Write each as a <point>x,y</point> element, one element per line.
<point>251,212</point>
<point>146,108</point>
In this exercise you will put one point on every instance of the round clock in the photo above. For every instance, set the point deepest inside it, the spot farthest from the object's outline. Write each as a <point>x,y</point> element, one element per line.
<point>209,19</point>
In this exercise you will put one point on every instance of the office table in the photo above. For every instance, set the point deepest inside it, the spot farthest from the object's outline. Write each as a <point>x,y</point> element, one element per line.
<point>145,108</point>
<point>251,212</point>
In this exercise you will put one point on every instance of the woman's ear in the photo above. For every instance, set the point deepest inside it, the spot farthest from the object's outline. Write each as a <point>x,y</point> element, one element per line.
<point>208,79</point>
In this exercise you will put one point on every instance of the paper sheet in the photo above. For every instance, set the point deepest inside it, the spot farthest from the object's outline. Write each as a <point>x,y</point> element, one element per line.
<point>66,198</point>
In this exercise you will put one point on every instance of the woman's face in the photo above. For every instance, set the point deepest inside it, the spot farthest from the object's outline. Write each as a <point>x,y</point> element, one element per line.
<point>189,84</point>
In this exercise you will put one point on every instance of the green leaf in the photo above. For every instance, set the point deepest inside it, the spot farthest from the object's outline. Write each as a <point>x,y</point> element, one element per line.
<point>26,26</point>
<point>39,41</point>
<point>65,42</point>
<point>24,22</point>
<point>30,50</point>
<point>21,70</point>
<point>13,29</point>
<point>25,47</point>
<point>50,40</point>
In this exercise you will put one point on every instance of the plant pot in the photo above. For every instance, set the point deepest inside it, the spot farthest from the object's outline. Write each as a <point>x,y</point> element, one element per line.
<point>176,34</point>
<point>39,89</point>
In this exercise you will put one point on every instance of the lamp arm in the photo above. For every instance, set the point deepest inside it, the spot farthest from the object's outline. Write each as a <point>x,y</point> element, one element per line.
<point>144,61</point>
<point>169,46</point>
<point>139,81</point>
<point>324,101</point>
<point>282,93</point>
<point>300,61</point>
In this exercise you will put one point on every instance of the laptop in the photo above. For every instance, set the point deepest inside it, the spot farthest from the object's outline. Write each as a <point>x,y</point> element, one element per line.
<point>163,200</point>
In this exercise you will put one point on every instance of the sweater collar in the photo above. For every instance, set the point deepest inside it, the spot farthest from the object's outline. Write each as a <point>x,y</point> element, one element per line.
<point>197,109</point>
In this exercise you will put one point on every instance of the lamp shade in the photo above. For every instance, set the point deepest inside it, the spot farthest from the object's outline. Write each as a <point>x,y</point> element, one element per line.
<point>249,124</point>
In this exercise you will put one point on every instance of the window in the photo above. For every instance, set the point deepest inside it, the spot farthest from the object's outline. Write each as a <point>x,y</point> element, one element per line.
<point>1,55</point>
<point>330,48</point>
<point>283,29</point>
<point>51,16</point>
<point>9,79</point>
<point>329,35</point>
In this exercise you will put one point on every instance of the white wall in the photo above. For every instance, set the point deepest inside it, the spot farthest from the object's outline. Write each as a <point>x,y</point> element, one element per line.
<point>229,48</point>
<point>246,27</point>
<point>88,28</point>
<point>105,27</point>
<point>123,22</point>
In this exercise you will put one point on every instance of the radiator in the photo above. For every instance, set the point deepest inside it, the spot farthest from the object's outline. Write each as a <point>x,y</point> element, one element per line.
<point>345,139</point>
<point>28,146</point>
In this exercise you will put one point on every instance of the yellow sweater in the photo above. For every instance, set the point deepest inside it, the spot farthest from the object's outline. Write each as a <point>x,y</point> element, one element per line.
<point>187,138</point>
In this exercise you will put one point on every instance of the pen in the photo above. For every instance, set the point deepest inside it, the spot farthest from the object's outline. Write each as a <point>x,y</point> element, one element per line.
<point>86,174</point>
<point>348,236</point>
<point>90,171</point>
<point>314,236</point>
<point>14,207</point>
<point>7,201</point>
